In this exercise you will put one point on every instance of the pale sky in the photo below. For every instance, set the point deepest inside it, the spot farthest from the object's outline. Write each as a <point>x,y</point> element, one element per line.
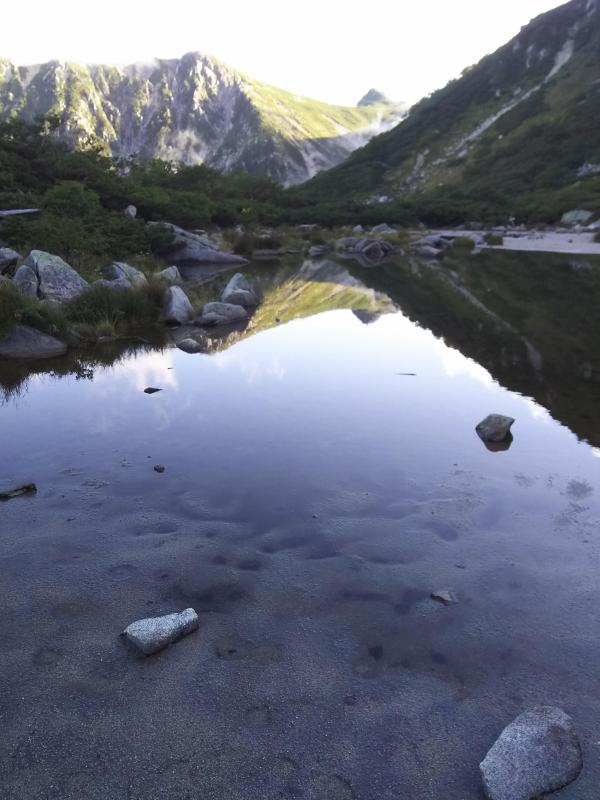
<point>334,50</point>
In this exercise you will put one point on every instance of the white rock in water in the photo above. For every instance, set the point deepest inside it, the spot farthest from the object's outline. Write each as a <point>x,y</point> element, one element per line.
<point>494,428</point>
<point>155,633</point>
<point>536,754</point>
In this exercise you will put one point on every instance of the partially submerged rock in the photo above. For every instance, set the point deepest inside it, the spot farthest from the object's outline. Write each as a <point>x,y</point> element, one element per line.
<point>196,247</point>
<point>8,260</point>
<point>120,271</point>
<point>536,754</point>
<point>56,280</point>
<point>222,314</point>
<point>28,343</point>
<point>177,309</point>
<point>494,428</point>
<point>155,633</point>
<point>239,292</point>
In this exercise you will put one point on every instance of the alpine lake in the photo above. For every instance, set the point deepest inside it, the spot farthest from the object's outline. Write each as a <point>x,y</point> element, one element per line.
<point>322,479</point>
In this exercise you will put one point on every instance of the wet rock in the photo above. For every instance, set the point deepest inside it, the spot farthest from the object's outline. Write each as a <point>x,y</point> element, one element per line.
<point>28,343</point>
<point>536,754</point>
<point>190,345</point>
<point>494,428</point>
<point>155,633</point>
<point>57,281</point>
<point>239,292</point>
<point>131,212</point>
<point>28,488</point>
<point>26,281</point>
<point>119,271</point>
<point>151,390</point>
<point>221,314</point>
<point>177,309</point>
<point>445,596</point>
<point>170,275</point>
<point>8,260</point>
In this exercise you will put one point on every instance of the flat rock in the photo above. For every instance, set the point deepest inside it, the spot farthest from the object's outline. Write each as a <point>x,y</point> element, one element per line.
<point>155,633</point>
<point>494,428</point>
<point>57,281</point>
<point>239,292</point>
<point>28,343</point>
<point>221,314</point>
<point>536,754</point>
<point>120,271</point>
<point>177,309</point>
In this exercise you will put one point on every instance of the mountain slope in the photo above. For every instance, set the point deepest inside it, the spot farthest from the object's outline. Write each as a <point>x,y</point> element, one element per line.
<point>194,109</point>
<point>521,123</point>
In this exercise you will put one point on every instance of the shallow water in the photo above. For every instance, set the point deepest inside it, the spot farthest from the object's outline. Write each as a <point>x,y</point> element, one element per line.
<point>323,477</point>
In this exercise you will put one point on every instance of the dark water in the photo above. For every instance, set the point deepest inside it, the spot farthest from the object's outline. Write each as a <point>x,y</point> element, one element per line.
<point>323,477</point>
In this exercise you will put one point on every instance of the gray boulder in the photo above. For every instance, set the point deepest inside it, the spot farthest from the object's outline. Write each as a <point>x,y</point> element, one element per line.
<point>131,212</point>
<point>8,260</point>
<point>577,216</point>
<point>28,343</point>
<point>358,229</point>
<point>170,275</point>
<point>494,428</point>
<point>26,280</point>
<point>426,250</point>
<point>153,634</point>
<point>177,309</point>
<point>536,754</point>
<point>221,314</point>
<point>197,247</point>
<point>119,271</point>
<point>190,345</point>
<point>317,250</point>
<point>117,283</point>
<point>373,249</point>
<point>57,281</point>
<point>383,229</point>
<point>239,292</point>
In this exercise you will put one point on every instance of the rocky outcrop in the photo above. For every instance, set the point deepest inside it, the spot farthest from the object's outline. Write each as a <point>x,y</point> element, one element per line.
<point>196,247</point>
<point>28,343</point>
<point>56,280</point>
<point>536,754</point>
<point>221,314</point>
<point>153,634</point>
<point>239,292</point>
<point>8,260</point>
<point>177,309</point>
<point>119,271</point>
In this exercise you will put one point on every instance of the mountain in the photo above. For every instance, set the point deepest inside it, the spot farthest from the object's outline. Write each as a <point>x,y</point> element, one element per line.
<point>516,132</point>
<point>194,109</point>
<point>372,97</point>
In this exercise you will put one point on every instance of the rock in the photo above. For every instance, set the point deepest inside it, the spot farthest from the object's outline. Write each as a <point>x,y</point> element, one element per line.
<point>221,314</point>
<point>190,345</point>
<point>373,249</point>
<point>426,250</point>
<point>155,633</point>
<point>439,242</point>
<point>536,754</point>
<point>346,243</point>
<point>576,217</point>
<point>131,212</point>
<point>358,229</point>
<point>26,281</point>
<point>8,260</point>
<point>119,271</point>
<point>118,283</point>
<point>239,292</point>
<point>317,250</point>
<point>196,247</point>
<point>170,275</point>
<point>177,309</point>
<point>159,468</point>
<point>57,281</point>
<point>28,343</point>
<point>494,428</point>
<point>151,390</point>
<point>445,596</point>
<point>382,229</point>
<point>28,488</point>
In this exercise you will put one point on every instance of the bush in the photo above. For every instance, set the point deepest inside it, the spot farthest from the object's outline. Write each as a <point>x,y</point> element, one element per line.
<point>463,243</point>
<point>494,239</point>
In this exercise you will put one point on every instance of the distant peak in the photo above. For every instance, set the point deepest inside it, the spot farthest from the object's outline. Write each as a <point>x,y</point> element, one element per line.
<point>372,97</point>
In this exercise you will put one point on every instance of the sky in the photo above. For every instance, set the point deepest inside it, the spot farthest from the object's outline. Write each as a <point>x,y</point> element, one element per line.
<point>333,50</point>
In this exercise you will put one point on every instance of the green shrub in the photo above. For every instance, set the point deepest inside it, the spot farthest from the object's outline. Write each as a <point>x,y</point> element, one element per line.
<point>463,243</point>
<point>494,239</point>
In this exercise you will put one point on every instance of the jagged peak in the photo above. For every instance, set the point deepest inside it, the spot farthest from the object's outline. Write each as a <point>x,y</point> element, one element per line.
<point>372,97</point>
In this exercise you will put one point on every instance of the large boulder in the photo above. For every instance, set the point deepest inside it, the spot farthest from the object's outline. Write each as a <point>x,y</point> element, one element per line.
<point>119,271</point>
<point>26,280</point>
<point>577,216</point>
<point>177,309</point>
<point>494,428</point>
<point>196,247</point>
<point>189,345</point>
<point>153,634</point>
<point>239,292</point>
<point>28,343</point>
<point>57,281</point>
<point>8,260</point>
<point>536,754</point>
<point>221,314</point>
<point>169,275</point>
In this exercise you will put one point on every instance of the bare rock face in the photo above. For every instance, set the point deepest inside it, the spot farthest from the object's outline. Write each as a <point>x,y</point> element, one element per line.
<point>28,343</point>
<point>153,634</point>
<point>536,754</point>
<point>57,281</point>
<point>494,428</point>
<point>239,292</point>
<point>177,309</point>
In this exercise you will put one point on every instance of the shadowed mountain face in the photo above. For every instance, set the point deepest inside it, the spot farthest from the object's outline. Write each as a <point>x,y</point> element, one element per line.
<point>194,109</point>
<point>518,126</point>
